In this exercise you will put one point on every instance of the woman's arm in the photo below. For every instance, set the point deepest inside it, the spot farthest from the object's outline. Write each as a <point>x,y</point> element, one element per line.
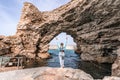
<point>57,43</point>
<point>66,42</point>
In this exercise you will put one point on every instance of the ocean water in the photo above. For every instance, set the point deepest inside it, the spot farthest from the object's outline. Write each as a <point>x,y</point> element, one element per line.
<point>73,60</point>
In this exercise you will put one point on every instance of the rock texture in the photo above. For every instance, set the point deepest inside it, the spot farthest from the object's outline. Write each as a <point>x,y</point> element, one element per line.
<point>63,74</point>
<point>116,65</point>
<point>4,49</point>
<point>111,78</point>
<point>94,25</point>
<point>46,73</point>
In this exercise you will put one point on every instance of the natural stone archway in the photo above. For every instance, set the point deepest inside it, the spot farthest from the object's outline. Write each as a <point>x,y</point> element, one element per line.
<point>91,25</point>
<point>94,24</point>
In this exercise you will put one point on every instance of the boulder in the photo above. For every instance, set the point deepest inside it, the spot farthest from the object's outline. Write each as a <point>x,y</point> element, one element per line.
<point>44,55</point>
<point>62,74</point>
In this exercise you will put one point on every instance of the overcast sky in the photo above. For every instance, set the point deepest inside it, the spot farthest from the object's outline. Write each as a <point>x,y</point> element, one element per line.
<point>10,11</point>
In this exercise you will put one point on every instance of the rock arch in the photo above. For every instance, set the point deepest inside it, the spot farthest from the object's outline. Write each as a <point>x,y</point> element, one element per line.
<point>94,24</point>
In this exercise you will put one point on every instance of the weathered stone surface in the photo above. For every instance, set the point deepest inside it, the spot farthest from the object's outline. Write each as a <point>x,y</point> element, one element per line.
<point>2,37</point>
<point>94,25</point>
<point>44,55</point>
<point>4,48</point>
<point>116,65</point>
<point>63,74</point>
<point>46,73</point>
<point>111,78</point>
<point>96,53</point>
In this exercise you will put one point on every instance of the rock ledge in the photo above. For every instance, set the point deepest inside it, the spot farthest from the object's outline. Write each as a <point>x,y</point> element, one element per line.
<point>46,73</point>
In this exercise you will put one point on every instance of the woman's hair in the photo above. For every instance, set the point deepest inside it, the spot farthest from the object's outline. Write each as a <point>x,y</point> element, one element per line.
<point>61,44</point>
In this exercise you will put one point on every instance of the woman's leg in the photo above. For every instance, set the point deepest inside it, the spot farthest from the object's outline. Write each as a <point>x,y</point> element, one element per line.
<point>63,59</point>
<point>63,63</point>
<point>60,59</point>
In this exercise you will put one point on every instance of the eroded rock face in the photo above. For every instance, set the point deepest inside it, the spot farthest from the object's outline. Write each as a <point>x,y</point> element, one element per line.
<point>94,25</point>
<point>4,48</point>
<point>116,65</point>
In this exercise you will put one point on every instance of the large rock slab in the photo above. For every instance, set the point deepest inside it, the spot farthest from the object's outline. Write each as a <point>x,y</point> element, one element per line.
<point>63,74</point>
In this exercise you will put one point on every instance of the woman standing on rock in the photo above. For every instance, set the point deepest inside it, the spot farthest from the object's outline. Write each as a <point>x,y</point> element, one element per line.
<point>61,49</point>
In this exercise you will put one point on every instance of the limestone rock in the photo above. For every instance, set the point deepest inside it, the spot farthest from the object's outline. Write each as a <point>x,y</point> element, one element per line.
<point>44,55</point>
<point>111,78</point>
<point>63,74</point>
<point>30,14</point>
<point>2,37</point>
<point>46,73</point>
<point>116,65</point>
<point>4,48</point>
<point>99,53</point>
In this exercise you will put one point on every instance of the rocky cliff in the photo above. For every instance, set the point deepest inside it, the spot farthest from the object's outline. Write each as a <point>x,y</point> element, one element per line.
<point>94,25</point>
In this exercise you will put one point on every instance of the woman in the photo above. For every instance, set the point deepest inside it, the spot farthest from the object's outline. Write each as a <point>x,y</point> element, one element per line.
<point>61,49</point>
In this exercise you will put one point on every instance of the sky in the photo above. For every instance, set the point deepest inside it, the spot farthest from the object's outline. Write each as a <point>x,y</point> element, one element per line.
<point>62,39</point>
<point>10,11</point>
